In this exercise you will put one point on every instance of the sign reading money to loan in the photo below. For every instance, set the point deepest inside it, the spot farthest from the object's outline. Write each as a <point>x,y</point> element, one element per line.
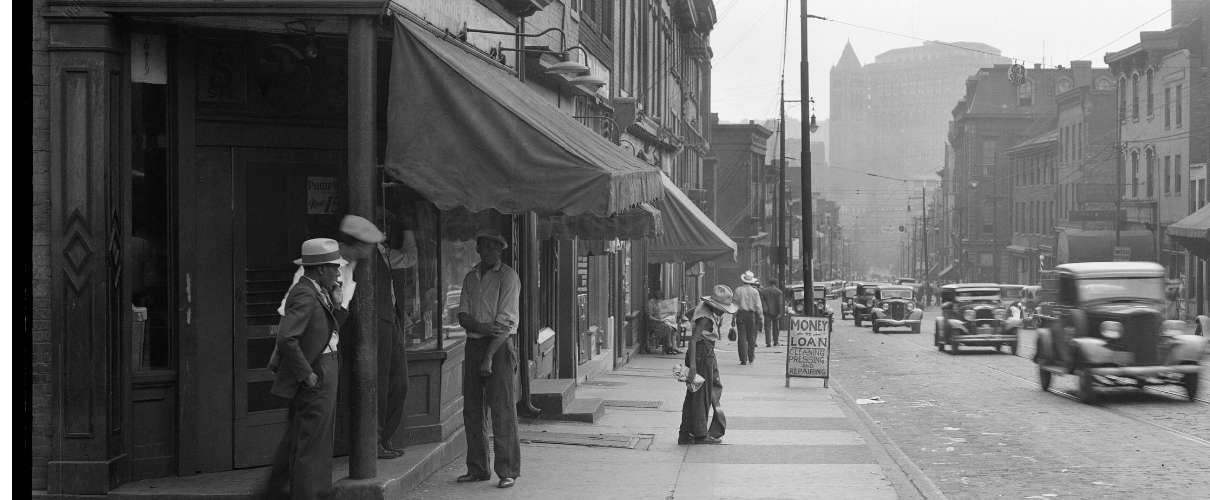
<point>807,352</point>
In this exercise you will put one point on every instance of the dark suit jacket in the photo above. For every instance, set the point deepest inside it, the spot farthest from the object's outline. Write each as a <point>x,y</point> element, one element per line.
<point>302,336</point>
<point>772,300</point>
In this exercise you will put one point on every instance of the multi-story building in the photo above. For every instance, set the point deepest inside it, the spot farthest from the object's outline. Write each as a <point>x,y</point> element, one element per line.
<point>886,117</point>
<point>1164,112</point>
<point>739,186</point>
<point>993,116</point>
<point>179,161</point>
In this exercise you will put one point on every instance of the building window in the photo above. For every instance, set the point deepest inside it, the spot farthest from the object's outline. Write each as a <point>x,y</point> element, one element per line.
<point>1134,174</point>
<point>1176,164</point>
<point>1167,175</point>
<point>1122,99</point>
<point>1167,108</point>
<point>1179,100</point>
<point>1150,172</point>
<point>1134,96</point>
<point>1150,95</point>
<point>151,242</point>
<point>1080,143</point>
<point>1025,94</point>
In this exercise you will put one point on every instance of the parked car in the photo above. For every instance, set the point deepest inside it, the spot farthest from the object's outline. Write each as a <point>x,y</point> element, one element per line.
<point>847,297</point>
<point>1109,330</point>
<point>863,302</point>
<point>818,303</point>
<point>972,315</point>
<point>895,306</point>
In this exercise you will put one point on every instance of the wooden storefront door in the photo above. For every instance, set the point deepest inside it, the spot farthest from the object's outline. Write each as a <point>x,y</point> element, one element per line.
<point>281,197</point>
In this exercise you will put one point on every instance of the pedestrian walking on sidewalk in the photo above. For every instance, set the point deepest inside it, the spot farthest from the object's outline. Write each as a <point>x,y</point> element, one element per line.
<point>307,369</point>
<point>707,325</point>
<point>489,310</point>
<point>748,319</point>
<point>771,302</point>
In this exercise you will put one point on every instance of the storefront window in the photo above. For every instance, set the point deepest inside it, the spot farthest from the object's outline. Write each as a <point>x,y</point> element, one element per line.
<point>148,258</point>
<point>457,257</point>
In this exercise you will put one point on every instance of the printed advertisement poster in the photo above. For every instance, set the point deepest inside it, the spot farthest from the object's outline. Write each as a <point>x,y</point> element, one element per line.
<point>323,196</point>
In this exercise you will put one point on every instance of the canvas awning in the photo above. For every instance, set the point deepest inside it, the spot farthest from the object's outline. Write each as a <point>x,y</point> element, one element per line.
<point>689,236</point>
<point>950,269</point>
<point>643,221</point>
<point>1193,232</point>
<point>465,133</point>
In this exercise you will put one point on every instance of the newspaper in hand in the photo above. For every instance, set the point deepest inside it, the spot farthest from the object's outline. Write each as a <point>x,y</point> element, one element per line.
<point>681,372</point>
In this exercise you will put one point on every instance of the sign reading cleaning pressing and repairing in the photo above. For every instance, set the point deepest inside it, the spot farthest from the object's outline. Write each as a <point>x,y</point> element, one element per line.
<point>807,349</point>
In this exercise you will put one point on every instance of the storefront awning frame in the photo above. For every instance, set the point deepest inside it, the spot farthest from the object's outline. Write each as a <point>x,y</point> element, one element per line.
<point>689,235</point>
<point>466,134</point>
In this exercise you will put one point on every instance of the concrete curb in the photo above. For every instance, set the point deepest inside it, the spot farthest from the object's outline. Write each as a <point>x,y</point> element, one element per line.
<point>909,480</point>
<point>396,484</point>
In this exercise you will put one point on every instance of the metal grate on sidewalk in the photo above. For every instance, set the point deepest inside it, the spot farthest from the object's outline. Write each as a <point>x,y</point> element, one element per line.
<point>627,403</point>
<point>597,440</point>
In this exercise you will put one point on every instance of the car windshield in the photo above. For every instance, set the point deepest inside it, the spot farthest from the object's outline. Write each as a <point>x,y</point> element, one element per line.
<point>1121,289</point>
<point>977,295</point>
<point>896,294</point>
<point>1012,293</point>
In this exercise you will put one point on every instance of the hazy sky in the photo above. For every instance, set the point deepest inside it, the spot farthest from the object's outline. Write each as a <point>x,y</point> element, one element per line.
<point>747,40</point>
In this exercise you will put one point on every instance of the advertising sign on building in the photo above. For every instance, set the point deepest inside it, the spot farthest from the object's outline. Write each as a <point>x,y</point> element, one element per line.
<point>323,196</point>
<point>1016,74</point>
<point>807,349</point>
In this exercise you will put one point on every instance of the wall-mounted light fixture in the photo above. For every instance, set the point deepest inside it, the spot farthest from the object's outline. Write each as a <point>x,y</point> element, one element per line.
<point>306,26</point>
<point>566,66</point>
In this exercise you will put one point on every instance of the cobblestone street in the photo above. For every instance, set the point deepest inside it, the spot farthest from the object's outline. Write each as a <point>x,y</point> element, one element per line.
<point>979,426</point>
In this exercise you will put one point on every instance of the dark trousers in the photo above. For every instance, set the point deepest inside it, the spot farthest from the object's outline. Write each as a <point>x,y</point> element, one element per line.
<point>499,393</point>
<point>745,325</point>
<point>696,410</point>
<point>392,380</point>
<point>771,330</point>
<point>304,457</point>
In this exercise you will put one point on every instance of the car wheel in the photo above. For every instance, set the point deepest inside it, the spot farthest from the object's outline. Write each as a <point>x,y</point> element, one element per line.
<point>1190,381</point>
<point>1086,393</point>
<point>874,326</point>
<point>856,320</point>
<point>1044,378</point>
<point>953,345</point>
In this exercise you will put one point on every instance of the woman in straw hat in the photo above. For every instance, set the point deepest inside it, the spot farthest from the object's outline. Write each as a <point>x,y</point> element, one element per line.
<point>707,324</point>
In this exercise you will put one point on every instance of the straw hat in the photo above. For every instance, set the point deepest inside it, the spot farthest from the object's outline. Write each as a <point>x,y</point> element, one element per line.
<point>749,278</point>
<point>721,298</point>
<point>319,251</point>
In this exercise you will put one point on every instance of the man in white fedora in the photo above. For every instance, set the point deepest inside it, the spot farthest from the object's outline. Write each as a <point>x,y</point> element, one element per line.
<point>307,368</point>
<point>365,243</point>
<point>748,318</point>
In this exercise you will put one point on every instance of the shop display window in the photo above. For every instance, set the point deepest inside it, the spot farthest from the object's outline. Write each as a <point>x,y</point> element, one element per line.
<point>148,259</point>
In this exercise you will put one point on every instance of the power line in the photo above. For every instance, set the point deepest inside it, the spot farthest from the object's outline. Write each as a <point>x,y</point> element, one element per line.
<point>1136,28</point>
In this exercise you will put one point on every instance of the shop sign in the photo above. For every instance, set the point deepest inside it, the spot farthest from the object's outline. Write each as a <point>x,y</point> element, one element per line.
<point>148,59</point>
<point>807,349</point>
<point>1016,74</point>
<point>1121,254</point>
<point>1096,193</point>
<point>1095,215</point>
<point>323,196</point>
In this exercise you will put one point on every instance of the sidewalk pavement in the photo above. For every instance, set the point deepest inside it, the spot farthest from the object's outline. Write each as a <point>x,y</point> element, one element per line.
<point>804,441</point>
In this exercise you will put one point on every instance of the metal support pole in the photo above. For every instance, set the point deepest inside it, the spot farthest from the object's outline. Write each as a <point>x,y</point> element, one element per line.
<point>925,226</point>
<point>363,452</point>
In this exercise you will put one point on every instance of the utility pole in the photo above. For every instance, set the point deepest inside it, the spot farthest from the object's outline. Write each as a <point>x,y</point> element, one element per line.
<point>925,226</point>
<point>808,220</point>
<point>783,261</point>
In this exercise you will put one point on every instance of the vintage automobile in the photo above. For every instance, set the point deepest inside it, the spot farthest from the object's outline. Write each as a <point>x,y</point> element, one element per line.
<point>847,297</point>
<point>863,301</point>
<point>819,302</point>
<point>1109,330</point>
<point>895,306</point>
<point>972,315</point>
